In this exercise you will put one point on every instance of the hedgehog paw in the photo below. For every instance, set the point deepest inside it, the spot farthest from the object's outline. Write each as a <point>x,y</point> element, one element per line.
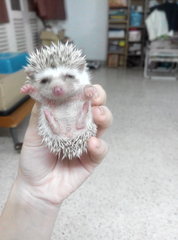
<point>27,89</point>
<point>90,92</point>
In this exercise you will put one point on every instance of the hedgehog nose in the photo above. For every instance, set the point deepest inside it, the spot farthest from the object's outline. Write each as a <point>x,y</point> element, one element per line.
<point>57,91</point>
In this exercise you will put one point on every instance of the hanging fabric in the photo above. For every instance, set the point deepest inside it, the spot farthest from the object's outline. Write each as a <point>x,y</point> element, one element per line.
<point>156,24</point>
<point>3,12</point>
<point>50,9</point>
<point>171,11</point>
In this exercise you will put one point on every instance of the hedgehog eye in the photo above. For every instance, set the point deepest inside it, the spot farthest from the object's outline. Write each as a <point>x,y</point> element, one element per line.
<point>44,80</point>
<point>69,76</point>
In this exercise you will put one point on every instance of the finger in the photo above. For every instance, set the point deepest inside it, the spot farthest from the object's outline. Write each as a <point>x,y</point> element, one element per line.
<point>100,96</point>
<point>32,137</point>
<point>97,150</point>
<point>102,117</point>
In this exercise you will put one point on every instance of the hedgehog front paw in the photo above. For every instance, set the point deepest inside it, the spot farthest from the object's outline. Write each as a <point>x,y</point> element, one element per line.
<point>90,92</point>
<point>27,89</point>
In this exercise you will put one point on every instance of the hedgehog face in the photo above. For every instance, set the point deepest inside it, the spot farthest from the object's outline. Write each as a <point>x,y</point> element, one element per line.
<point>57,71</point>
<point>60,83</point>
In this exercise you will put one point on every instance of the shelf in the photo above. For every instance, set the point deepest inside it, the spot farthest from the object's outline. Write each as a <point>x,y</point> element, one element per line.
<point>119,53</point>
<point>117,22</point>
<point>119,7</point>
<point>12,120</point>
<point>110,39</point>
<point>134,55</point>
<point>130,42</point>
<point>123,23</point>
<point>117,28</point>
<point>137,27</point>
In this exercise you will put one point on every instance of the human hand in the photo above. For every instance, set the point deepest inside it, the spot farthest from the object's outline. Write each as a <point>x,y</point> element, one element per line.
<point>51,179</point>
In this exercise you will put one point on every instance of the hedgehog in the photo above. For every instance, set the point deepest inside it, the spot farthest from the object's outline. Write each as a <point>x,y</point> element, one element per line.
<point>58,78</point>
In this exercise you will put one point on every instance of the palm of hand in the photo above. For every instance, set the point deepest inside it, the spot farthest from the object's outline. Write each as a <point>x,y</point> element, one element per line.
<point>53,179</point>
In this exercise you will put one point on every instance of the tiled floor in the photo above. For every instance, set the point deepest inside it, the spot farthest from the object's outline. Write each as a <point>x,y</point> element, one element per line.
<point>133,195</point>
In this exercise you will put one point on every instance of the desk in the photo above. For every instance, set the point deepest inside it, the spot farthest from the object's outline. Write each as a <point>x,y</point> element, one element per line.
<point>12,120</point>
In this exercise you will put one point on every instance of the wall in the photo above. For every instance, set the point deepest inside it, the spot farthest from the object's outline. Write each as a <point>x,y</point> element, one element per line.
<point>86,24</point>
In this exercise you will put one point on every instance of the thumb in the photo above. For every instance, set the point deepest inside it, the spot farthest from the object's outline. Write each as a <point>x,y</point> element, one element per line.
<point>32,137</point>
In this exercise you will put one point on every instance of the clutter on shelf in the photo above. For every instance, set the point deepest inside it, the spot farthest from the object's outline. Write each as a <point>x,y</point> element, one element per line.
<point>117,33</point>
<point>126,32</point>
<point>135,49</point>
<point>134,35</point>
<point>117,46</point>
<point>93,64</point>
<point>117,3</point>
<point>162,58</point>
<point>136,16</point>
<point>49,35</point>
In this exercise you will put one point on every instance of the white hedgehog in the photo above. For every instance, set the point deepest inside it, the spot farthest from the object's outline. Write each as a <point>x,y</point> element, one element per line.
<point>57,77</point>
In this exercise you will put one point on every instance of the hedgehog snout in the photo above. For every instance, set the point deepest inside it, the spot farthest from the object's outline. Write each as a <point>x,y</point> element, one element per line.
<point>57,91</point>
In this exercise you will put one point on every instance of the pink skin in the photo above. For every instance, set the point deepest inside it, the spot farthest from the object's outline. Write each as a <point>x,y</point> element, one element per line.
<point>81,120</point>
<point>27,89</point>
<point>54,125</point>
<point>57,91</point>
<point>88,94</point>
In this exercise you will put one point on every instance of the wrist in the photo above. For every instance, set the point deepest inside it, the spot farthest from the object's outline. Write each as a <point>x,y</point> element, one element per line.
<point>27,195</point>
<point>24,215</point>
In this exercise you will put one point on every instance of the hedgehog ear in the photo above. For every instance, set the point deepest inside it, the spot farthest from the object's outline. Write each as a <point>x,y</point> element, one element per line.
<point>82,67</point>
<point>30,73</point>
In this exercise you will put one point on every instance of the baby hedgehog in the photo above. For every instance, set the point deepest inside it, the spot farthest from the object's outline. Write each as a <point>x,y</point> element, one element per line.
<point>57,77</point>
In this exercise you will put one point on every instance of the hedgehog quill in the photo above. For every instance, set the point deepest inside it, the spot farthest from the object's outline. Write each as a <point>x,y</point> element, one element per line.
<point>58,78</point>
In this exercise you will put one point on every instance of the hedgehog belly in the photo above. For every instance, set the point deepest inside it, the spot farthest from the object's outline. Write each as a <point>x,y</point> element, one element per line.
<point>63,146</point>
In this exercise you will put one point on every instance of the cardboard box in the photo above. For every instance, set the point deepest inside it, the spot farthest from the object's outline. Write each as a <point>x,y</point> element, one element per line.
<point>47,37</point>
<point>113,60</point>
<point>10,85</point>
